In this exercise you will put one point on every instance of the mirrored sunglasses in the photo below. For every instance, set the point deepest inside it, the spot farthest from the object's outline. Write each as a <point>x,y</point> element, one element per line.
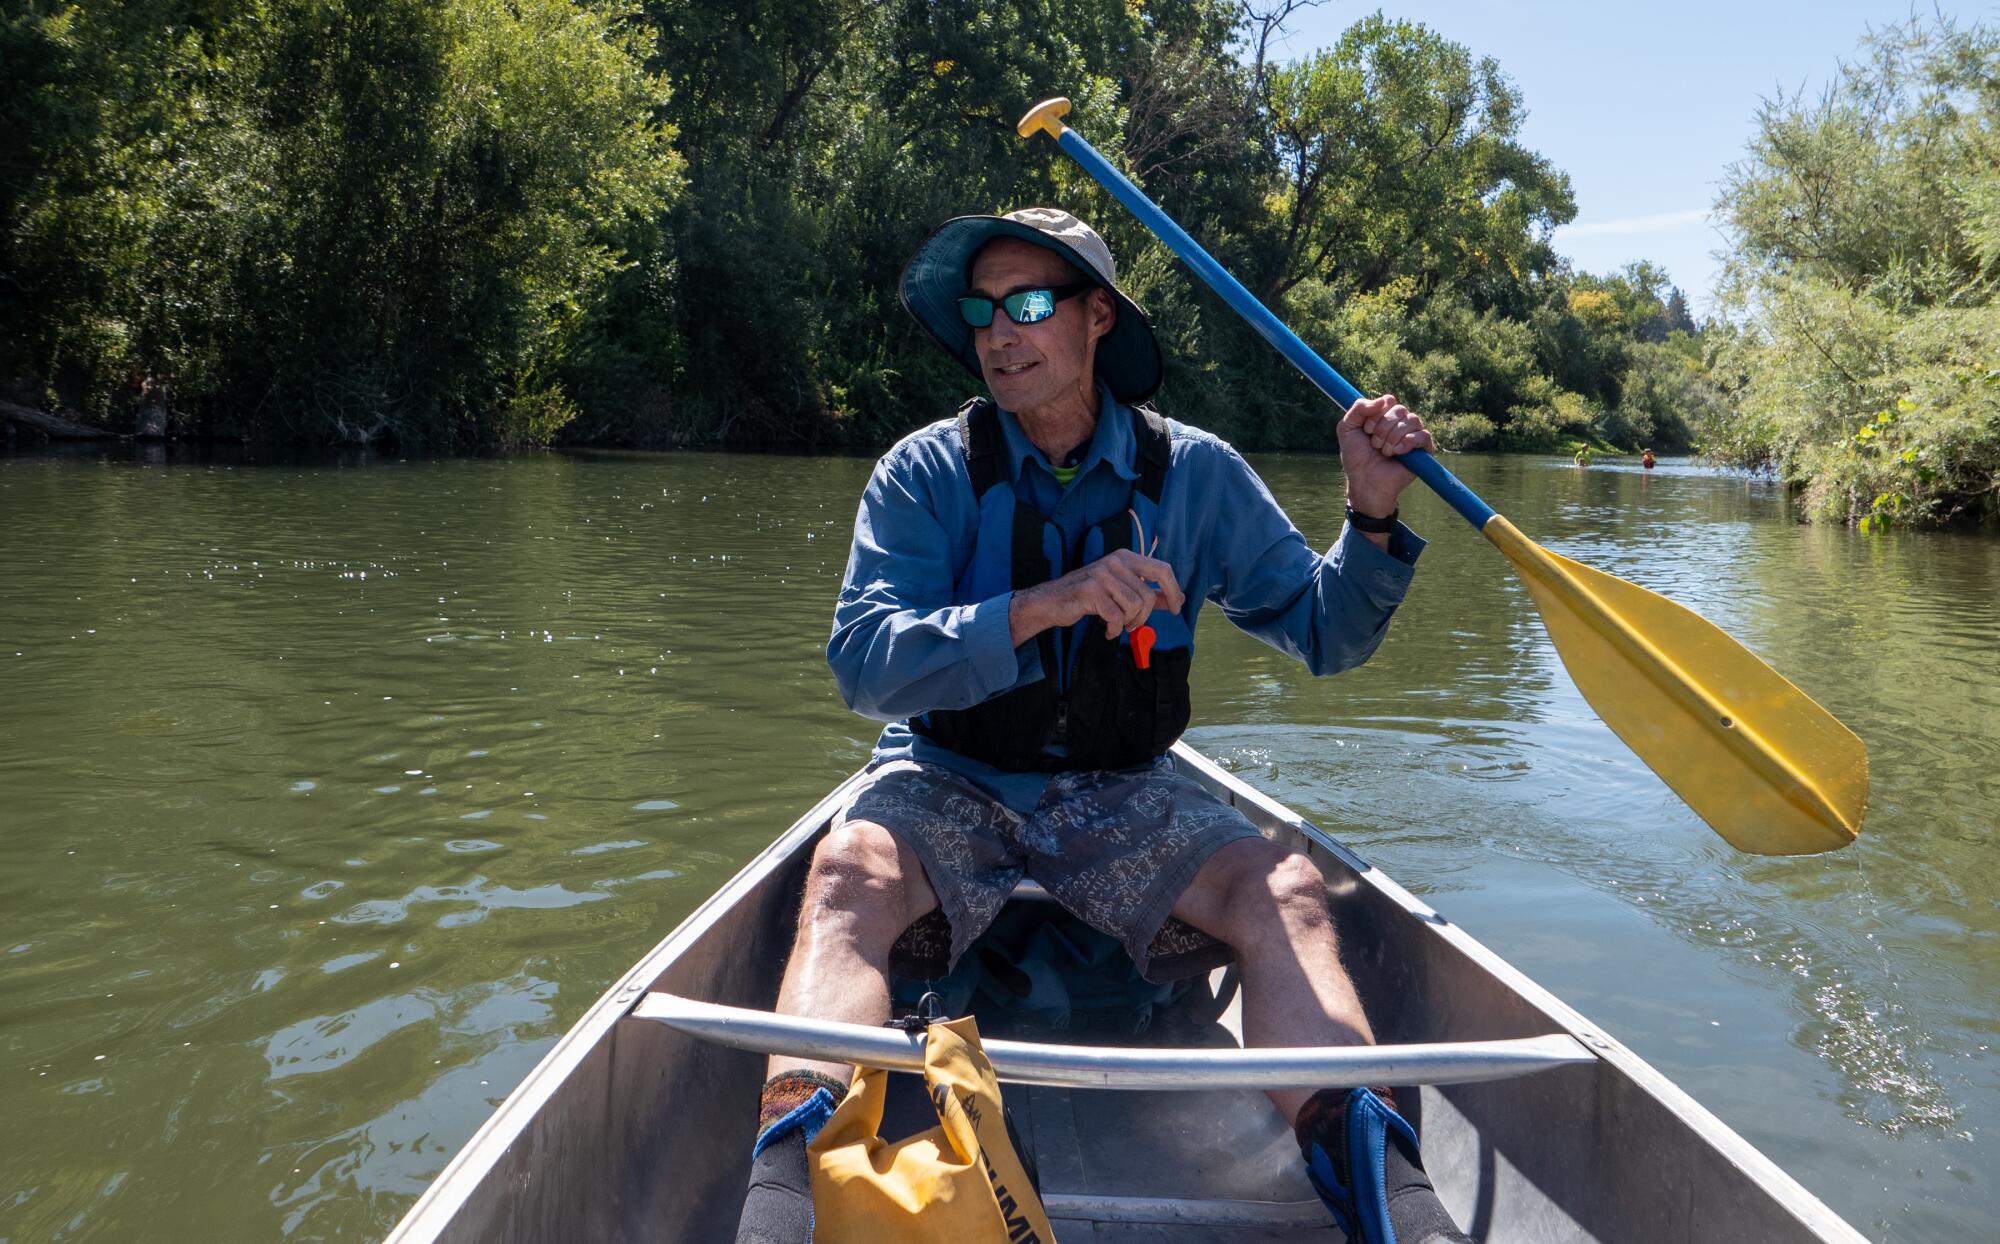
<point>1025,306</point>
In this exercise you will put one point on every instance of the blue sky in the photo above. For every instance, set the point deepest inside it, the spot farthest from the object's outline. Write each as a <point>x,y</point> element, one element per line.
<point>1643,105</point>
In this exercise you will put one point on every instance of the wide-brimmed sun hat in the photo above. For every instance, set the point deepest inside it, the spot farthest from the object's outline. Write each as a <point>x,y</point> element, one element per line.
<point>1128,357</point>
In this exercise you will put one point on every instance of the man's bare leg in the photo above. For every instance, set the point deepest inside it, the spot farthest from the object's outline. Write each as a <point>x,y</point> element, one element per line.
<point>865,888</point>
<point>1269,905</point>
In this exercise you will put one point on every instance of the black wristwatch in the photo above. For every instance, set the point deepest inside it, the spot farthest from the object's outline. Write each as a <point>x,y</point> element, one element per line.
<point>1369,523</point>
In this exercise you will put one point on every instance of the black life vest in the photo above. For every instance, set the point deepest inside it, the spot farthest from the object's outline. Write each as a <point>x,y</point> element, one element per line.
<point>1092,700</point>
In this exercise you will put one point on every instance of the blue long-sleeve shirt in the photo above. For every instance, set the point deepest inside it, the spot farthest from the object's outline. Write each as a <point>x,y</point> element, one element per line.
<point>903,646</point>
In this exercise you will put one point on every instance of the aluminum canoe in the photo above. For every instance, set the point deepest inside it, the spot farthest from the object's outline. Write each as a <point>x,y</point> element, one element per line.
<point>1538,1128</point>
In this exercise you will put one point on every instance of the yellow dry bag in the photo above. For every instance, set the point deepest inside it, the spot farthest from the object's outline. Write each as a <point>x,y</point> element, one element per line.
<point>959,1183</point>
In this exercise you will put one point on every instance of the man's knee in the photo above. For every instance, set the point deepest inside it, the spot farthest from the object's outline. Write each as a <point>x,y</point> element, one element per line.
<point>862,875</point>
<point>1295,883</point>
<point>1270,892</point>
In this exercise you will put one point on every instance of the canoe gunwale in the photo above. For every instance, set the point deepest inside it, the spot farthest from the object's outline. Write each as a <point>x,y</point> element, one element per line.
<point>480,1168</point>
<point>1768,1175</point>
<point>434,1210</point>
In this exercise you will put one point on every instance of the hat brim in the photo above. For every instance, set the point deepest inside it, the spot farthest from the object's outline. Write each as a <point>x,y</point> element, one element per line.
<point>1128,357</point>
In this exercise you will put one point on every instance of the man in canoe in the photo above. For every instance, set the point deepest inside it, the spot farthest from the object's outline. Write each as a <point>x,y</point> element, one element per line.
<point>1019,607</point>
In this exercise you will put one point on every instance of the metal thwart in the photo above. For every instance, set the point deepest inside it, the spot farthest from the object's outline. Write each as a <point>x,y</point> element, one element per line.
<point>1124,1067</point>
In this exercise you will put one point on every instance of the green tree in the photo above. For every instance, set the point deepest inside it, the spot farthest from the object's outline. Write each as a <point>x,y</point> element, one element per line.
<point>329,218</point>
<point>816,132</point>
<point>1679,320</point>
<point>1400,158</point>
<point>1862,278</point>
<point>450,222</point>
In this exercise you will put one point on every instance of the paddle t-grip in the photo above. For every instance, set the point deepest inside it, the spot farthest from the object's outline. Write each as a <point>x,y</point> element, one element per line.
<point>1047,116</point>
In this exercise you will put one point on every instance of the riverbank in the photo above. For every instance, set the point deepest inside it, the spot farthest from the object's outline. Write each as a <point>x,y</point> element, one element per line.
<point>26,422</point>
<point>549,223</point>
<point>24,430</point>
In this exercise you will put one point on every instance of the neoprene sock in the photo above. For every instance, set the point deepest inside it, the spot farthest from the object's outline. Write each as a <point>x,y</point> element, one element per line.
<point>777,1209</point>
<point>788,1090</point>
<point>1415,1214</point>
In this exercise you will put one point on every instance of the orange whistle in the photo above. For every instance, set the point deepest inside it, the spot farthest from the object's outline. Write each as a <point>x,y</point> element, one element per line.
<point>1142,647</point>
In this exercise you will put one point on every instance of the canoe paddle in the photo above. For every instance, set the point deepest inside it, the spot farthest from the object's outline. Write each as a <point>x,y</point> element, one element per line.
<point>1755,757</point>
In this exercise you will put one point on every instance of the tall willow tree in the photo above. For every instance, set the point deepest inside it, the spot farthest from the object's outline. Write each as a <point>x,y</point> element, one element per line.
<point>1403,159</point>
<point>1407,229</point>
<point>1866,226</point>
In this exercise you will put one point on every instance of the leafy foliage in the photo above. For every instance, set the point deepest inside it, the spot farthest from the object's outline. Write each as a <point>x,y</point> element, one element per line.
<point>452,222</point>
<point>1867,247</point>
<point>1401,161</point>
<point>320,218</point>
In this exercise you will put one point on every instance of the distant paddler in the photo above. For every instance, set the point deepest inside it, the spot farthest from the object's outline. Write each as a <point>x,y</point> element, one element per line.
<point>1582,458</point>
<point>1646,459</point>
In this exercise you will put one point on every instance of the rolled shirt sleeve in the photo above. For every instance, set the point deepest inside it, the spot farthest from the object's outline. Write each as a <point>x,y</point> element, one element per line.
<point>1329,611</point>
<point>899,646</point>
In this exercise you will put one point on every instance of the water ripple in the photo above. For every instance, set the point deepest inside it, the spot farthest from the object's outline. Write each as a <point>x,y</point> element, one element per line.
<point>610,669</point>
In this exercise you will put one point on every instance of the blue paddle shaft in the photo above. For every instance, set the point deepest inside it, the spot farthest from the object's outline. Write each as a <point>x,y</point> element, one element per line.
<point>1330,382</point>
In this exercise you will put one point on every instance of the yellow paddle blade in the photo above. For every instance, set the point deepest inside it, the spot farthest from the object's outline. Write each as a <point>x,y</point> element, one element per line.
<point>1755,757</point>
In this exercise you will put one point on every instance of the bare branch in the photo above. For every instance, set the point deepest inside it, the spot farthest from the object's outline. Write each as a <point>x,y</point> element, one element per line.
<point>1266,22</point>
<point>1176,110</point>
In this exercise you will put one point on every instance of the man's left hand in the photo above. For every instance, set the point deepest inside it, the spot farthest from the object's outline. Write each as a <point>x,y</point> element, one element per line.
<point>1374,432</point>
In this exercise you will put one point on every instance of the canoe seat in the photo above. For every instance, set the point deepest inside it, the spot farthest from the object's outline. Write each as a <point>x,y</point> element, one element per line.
<point>1178,951</point>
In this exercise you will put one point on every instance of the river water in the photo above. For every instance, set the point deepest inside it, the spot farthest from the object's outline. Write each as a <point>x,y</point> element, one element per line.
<point>330,797</point>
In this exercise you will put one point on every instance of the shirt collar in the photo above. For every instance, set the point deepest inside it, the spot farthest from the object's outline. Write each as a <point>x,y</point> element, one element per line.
<point>1112,443</point>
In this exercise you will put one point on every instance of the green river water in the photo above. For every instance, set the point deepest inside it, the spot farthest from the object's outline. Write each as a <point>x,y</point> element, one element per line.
<point>330,796</point>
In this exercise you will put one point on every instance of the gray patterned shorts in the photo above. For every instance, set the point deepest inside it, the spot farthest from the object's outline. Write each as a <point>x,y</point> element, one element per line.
<point>1116,847</point>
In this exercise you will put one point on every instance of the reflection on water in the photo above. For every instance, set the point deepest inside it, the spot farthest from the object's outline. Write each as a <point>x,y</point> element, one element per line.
<point>333,795</point>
